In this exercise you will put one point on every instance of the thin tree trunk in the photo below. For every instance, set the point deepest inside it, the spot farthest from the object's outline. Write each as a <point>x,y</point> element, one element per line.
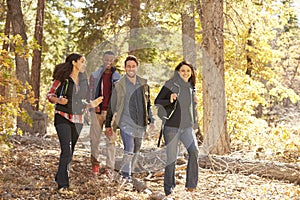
<point>7,29</point>
<point>22,66</point>
<point>37,53</point>
<point>249,60</point>
<point>134,25</point>
<point>188,35</point>
<point>3,89</point>
<point>18,27</point>
<point>216,139</point>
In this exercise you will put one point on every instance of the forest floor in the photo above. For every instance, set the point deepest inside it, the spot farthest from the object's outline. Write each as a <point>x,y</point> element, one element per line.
<point>27,172</point>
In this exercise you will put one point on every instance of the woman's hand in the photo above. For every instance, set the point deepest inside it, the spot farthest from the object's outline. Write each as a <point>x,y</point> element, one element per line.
<point>62,100</point>
<point>196,99</point>
<point>173,97</point>
<point>59,100</point>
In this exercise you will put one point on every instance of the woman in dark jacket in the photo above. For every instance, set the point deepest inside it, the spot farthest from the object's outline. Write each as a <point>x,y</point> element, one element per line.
<point>69,93</point>
<point>177,97</point>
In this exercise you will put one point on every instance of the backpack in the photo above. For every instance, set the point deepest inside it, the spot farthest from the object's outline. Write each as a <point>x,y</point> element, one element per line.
<point>162,111</point>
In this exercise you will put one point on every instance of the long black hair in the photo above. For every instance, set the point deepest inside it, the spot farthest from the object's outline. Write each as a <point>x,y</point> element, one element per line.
<point>192,79</point>
<point>63,70</point>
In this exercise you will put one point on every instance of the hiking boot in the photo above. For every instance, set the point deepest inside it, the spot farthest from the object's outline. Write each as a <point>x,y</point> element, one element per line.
<point>65,191</point>
<point>103,170</point>
<point>95,169</point>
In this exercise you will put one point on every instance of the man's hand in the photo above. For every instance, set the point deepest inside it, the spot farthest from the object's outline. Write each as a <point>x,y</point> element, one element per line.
<point>108,131</point>
<point>97,109</point>
<point>95,102</point>
<point>151,128</point>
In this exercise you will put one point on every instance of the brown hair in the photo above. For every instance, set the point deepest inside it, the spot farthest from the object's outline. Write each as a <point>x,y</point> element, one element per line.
<point>62,71</point>
<point>131,57</point>
<point>192,79</point>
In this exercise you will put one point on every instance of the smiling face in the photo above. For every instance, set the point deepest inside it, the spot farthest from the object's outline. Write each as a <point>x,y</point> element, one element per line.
<point>185,72</point>
<point>131,68</point>
<point>108,61</point>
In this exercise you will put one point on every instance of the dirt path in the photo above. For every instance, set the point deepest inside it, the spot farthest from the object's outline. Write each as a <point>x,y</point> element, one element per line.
<point>27,172</point>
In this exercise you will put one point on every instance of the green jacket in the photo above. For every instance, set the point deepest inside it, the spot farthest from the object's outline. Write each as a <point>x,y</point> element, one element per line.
<point>117,100</point>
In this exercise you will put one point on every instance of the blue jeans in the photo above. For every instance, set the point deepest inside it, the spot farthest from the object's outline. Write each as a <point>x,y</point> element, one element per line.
<point>172,136</point>
<point>68,134</point>
<point>132,146</point>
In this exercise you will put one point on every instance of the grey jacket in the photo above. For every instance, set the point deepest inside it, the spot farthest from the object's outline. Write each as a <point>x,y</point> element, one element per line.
<point>96,78</point>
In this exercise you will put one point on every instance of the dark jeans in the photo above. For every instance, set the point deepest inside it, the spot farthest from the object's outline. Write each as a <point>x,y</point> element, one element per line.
<point>172,136</point>
<point>132,146</point>
<point>68,134</point>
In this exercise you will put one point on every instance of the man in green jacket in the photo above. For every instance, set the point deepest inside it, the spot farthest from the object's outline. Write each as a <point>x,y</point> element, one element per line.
<point>131,108</point>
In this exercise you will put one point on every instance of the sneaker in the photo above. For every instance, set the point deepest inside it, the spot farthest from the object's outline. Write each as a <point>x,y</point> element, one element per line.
<point>126,184</point>
<point>65,191</point>
<point>103,170</point>
<point>95,169</point>
<point>110,174</point>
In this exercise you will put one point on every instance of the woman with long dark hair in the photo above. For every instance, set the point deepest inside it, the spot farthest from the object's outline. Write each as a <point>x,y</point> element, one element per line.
<point>178,99</point>
<point>69,93</point>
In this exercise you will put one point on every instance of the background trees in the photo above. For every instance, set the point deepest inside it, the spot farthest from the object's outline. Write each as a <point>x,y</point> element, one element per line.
<point>255,53</point>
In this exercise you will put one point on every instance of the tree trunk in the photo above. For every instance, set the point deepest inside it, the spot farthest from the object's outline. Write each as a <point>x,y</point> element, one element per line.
<point>216,139</point>
<point>18,27</point>
<point>266,169</point>
<point>134,25</point>
<point>37,53</point>
<point>248,57</point>
<point>7,29</point>
<point>3,89</point>
<point>22,66</point>
<point>188,35</point>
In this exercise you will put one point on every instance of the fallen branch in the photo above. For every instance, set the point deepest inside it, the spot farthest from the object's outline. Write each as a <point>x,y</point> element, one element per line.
<point>265,169</point>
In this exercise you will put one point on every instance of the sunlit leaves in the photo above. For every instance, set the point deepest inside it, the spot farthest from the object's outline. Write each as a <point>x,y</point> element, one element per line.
<point>243,95</point>
<point>14,90</point>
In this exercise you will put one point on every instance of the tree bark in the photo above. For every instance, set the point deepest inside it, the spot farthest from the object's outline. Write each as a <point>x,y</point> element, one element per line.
<point>3,89</point>
<point>216,139</point>
<point>248,57</point>
<point>188,35</point>
<point>37,53</point>
<point>22,66</point>
<point>18,27</point>
<point>7,29</point>
<point>265,169</point>
<point>134,25</point>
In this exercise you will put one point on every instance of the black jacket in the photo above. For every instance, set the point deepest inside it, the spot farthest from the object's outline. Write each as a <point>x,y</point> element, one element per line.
<point>76,99</point>
<point>182,112</point>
